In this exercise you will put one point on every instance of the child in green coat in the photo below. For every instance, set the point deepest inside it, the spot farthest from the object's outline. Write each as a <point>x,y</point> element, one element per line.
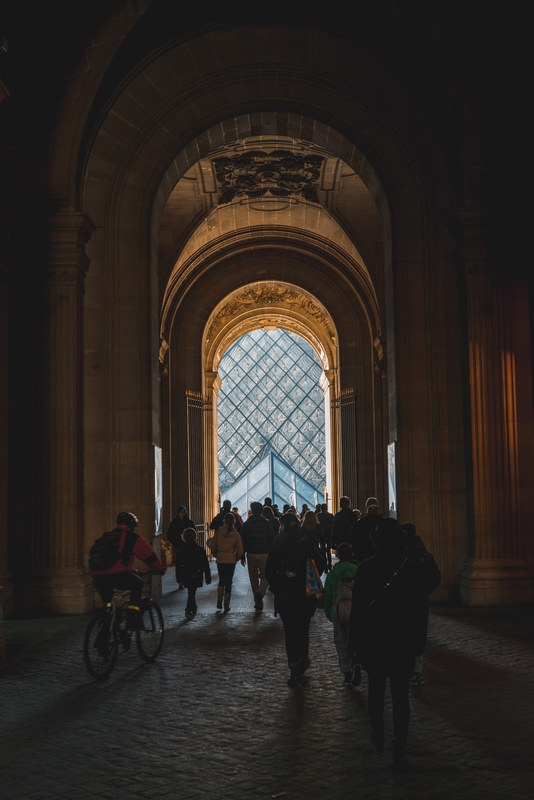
<point>343,572</point>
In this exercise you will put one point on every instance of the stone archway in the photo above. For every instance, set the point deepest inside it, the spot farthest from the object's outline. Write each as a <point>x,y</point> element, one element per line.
<point>263,305</point>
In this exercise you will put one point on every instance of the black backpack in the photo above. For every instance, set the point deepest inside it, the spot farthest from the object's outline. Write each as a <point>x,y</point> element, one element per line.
<point>104,553</point>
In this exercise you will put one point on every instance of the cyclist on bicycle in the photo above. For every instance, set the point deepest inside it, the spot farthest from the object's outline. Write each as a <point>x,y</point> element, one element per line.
<point>120,575</point>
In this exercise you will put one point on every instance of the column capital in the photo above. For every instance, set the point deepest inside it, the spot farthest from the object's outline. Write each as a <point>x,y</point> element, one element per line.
<point>61,239</point>
<point>213,381</point>
<point>331,375</point>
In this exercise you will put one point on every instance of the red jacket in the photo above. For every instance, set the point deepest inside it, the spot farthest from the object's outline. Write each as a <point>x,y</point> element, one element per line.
<point>141,549</point>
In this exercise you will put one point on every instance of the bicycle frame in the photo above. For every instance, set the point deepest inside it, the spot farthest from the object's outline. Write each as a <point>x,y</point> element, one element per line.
<point>149,637</point>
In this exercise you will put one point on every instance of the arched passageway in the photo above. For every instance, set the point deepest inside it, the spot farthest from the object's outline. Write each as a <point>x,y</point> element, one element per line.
<point>136,251</point>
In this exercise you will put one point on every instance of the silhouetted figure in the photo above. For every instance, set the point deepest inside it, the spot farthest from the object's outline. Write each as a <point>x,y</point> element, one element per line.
<point>258,535</point>
<point>312,529</point>
<point>326,520</point>
<point>387,629</point>
<point>344,522</point>
<point>286,572</point>
<point>268,513</point>
<point>192,566</point>
<point>360,538</point>
<point>174,535</point>
<point>415,550</point>
<point>218,520</point>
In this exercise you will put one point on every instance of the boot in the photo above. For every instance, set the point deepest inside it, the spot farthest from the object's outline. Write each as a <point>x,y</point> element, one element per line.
<point>227,602</point>
<point>220,593</point>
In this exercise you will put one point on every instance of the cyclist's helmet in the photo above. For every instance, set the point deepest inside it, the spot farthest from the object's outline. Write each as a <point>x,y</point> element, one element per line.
<point>125,518</point>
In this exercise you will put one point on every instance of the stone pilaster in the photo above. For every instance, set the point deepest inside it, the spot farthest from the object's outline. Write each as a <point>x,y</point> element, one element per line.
<point>6,587</point>
<point>495,573</point>
<point>57,580</point>
<point>333,459</point>
<point>212,384</point>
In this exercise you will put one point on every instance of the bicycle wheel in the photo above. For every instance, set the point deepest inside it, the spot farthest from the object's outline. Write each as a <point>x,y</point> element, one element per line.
<point>100,647</point>
<point>150,631</point>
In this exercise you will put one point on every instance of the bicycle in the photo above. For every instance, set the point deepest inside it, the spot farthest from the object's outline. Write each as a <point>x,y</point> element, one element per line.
<point>109,629</point>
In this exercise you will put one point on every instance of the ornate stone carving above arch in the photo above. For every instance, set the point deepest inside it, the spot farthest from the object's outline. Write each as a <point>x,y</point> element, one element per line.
<point>270,304</point>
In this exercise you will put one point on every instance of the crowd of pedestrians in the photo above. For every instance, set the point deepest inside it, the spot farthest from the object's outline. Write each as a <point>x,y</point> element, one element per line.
<point>375,591</point>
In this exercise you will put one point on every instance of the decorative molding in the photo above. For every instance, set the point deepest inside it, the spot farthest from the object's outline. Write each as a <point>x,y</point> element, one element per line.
<point>281,173</point>
<point>307,242</point>
<point>66,275</point>
<point>267,295</point>
<point>163,350</point>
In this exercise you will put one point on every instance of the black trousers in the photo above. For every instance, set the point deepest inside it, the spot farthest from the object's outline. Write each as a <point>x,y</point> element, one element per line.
<point>296,622</point>
<point>399,684</point>
<point>191,604</point>
<point>104,584</point>
<point>226,576</point>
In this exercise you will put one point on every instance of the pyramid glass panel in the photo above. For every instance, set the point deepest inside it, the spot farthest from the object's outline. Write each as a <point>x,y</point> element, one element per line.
<point>272,477</point>
<point>269,395</point>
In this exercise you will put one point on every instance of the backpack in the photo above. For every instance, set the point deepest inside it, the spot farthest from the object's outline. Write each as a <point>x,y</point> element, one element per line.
<point>343,601</point>
<point>104,553</point>
<point>431,571</point>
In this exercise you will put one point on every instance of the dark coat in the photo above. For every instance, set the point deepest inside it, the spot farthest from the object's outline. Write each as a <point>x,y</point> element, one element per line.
<point>257,534</point>
<point>317,537</point>
<point>415,550</point>
<point>326,520</point>
<point>218,521</point>
<point>178,526</point>
<point>388,623</point>
<point>344,522</point>
<point>192,564</point>
<point>289,554</point>
<point>360,538</point>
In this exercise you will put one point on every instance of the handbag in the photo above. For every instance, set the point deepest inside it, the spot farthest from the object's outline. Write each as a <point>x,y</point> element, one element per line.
<point>166,552</point>
<point>210,543</point>
<point>314,586</point>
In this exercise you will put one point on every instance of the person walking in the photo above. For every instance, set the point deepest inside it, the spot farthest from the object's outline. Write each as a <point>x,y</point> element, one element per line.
<point>192,566</point>
<point>228,550</point>
<point>257,535</point>
<point>218,519</point>
<point>360,538</point>
<point>342,572</point>
<point>286,571</point>
<point>174,534</point>
<point>312,529</point>
<point>387,630</point>
<point>344,521</point>
<point>237,515</point>
<point>415,550</point>
<point>269,515</point>
<point>326,520</point>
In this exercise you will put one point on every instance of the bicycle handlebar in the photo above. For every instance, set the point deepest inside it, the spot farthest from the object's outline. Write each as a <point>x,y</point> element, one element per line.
<point>143,575</point>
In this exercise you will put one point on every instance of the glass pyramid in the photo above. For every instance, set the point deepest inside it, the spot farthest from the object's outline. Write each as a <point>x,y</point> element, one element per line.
<point>271,400</point>
<point>271,477</point>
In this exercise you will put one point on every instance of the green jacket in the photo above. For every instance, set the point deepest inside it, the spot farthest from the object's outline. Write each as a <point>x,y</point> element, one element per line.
<point>342,571</point>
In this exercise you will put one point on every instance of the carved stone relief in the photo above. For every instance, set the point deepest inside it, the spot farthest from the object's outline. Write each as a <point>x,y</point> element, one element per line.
<point>281,173</point>
<point>261,296</point>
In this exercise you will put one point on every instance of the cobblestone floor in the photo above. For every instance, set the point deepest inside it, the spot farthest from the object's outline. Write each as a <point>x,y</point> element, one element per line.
<point>213,718</point>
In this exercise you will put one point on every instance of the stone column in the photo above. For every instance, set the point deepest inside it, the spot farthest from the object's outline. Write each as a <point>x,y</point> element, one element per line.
<point>212,383</point>
<point>6,220</point>
<point>495,572</point>
<point>57,581</point>
<point>6,587</point>
<point>335,444</point>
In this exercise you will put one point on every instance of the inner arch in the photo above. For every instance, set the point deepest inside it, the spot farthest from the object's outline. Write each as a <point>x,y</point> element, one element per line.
<point>270,304</point>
